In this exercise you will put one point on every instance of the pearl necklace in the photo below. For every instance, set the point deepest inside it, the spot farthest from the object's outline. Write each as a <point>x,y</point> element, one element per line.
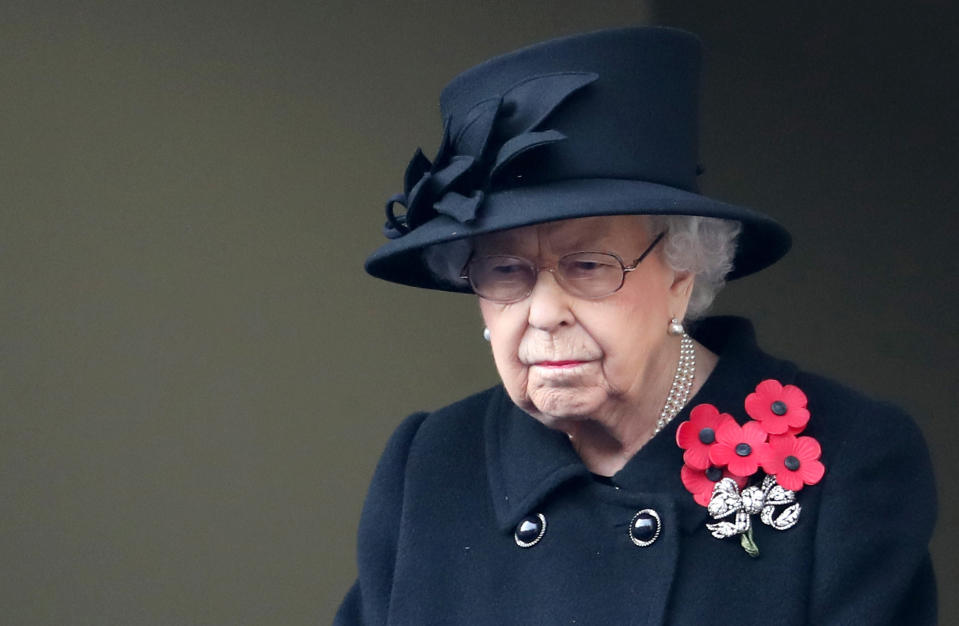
<point>682,383</point>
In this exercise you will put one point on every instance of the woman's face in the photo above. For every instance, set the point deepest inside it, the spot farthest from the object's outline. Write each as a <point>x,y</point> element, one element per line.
<point>564,358</point>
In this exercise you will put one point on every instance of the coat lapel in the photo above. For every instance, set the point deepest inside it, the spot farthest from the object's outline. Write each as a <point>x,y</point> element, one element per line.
<point>527,460</point>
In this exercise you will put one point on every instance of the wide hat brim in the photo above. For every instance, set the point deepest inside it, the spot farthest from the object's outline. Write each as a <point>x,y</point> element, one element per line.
<point>761,243</point>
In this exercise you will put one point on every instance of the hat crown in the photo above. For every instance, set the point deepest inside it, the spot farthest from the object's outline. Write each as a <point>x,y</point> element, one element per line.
<point>637,120</point>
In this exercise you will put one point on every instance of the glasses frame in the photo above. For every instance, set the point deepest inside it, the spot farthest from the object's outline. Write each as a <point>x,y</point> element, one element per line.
<point>465,273</point>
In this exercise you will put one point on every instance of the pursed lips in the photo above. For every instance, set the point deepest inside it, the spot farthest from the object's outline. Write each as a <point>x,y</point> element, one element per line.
<point>560,363</point>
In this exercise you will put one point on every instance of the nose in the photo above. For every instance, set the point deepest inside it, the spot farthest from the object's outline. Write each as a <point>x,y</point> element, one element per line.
<point>549,306</point>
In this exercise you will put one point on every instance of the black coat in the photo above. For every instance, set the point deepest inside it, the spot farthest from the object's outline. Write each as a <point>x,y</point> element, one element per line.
<point>436,539</point>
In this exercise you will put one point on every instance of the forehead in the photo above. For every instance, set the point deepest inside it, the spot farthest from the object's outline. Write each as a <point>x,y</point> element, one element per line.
<point>613,232</point>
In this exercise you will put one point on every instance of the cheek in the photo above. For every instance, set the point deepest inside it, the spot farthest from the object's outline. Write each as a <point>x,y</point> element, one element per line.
<point>507,324</point>
<point>629,334</point>
<point>512,373</point>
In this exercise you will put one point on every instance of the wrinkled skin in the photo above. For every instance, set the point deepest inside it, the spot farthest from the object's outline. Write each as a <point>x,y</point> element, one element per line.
<point>623,360</point>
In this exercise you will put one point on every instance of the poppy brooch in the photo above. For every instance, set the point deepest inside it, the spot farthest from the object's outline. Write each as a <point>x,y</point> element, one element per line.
<point>722,461</point>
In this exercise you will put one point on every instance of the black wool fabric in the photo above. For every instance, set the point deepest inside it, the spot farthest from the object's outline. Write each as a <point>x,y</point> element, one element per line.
<point>436,539</point>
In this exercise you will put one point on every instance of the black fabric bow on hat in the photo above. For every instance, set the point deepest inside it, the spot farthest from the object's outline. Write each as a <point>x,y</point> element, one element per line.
<point>474,153</point>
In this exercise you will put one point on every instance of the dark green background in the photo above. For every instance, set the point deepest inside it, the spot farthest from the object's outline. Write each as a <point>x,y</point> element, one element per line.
<point>196,378</point>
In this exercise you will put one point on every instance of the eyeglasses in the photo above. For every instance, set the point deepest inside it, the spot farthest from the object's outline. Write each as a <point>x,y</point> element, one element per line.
<point>504,278</point>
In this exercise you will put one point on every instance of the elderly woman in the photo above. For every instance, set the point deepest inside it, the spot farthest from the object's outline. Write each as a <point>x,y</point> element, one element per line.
<point>638,464</point>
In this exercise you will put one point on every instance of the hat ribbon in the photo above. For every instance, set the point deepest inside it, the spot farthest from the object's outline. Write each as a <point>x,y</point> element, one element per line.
<point>474,152</point>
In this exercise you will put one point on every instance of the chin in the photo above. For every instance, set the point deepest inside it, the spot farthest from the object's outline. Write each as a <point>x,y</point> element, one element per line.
<point>556,406</point>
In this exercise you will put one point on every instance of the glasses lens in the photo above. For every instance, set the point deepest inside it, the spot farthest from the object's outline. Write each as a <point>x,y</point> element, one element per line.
<point>502,278</point>
<point>590,274</point>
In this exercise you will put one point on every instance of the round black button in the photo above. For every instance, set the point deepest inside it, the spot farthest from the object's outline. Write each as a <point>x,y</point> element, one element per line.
<point>707,436</point>
<point>778,407</point>
<point>791,463</point>
<point>743,449</point>
<point>530,530</point>
<point>714,473</point>
<point>645,528</point>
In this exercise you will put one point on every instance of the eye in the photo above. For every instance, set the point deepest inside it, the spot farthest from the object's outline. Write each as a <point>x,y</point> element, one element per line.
<point>585,266</point>
<point>506,268</point>
<point>500,269</point>
<point>589,265</point>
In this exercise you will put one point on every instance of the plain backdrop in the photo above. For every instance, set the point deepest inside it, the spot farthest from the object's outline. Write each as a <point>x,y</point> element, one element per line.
<point>196,376</point>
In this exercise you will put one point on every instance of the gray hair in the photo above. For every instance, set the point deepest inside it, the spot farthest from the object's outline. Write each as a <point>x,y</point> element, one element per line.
<point>704,246</point>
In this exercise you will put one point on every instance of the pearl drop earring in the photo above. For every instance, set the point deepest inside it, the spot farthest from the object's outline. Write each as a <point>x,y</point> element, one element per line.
<point>675,327</point>
<point>486,334</point>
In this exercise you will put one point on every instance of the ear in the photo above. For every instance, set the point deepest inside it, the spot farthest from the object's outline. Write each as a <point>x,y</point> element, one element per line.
<point>680,291</point>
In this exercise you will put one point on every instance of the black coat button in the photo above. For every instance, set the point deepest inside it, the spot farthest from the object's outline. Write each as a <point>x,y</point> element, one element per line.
<point>645,528</point>
<point>530,530</point>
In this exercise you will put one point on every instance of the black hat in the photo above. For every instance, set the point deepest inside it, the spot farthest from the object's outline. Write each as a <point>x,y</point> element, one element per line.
<point>603,123</point>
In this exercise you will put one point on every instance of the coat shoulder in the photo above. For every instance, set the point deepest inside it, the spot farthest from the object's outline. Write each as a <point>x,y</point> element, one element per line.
<point>839,412</point>
<point>457,422</point>
<point>445,437</point>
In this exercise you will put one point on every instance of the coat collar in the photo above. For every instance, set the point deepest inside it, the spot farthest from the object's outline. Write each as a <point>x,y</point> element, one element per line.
<point>528,461</point>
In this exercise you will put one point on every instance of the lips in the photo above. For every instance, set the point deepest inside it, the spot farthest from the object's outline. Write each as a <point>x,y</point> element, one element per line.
<point>565,363</point>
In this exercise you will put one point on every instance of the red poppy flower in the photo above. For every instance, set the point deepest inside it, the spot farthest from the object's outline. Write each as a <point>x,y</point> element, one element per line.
<point>698,433</point>
<point>794,461</point>
<point>779,409</point>
<point>740,448</point>
<point>700,483</point>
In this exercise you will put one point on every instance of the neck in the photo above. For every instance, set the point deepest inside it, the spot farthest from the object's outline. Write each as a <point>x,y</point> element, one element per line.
<point>606,446</point>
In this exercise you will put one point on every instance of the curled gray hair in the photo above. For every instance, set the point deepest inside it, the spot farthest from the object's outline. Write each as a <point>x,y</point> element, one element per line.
<point>704,246</point>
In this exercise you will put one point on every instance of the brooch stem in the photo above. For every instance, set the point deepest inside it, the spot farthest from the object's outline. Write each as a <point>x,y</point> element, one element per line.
<point>748,544</point>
